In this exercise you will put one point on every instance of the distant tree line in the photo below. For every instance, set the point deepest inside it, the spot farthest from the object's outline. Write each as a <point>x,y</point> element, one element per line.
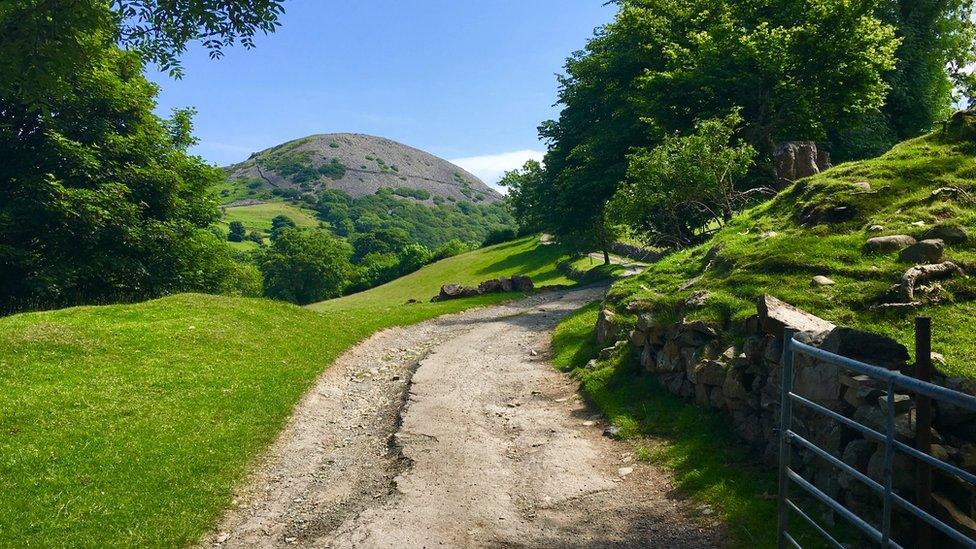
<point>366,242</point>
<point>671,112</point>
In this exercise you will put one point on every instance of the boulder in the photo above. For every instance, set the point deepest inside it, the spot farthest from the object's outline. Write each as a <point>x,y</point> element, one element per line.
<point>522,283</point>
<point>505,283</point>
<point>490,286</point>
<point>890,243</point>
<point>866,347</point>
<point>797,159</point>
<point>637,338</point>
<point>821,280</point>
<point>607,327</point>
<point>775,316</point>
<point>950,234</point>
<point>454,291</point>
<point>962,126</point>
<point>926,251</point>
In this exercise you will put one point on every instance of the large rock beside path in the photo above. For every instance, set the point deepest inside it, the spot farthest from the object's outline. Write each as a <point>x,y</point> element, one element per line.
<point>517,283</point>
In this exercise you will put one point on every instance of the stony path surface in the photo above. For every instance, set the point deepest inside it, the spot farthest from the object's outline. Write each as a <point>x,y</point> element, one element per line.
<point>457,433</point>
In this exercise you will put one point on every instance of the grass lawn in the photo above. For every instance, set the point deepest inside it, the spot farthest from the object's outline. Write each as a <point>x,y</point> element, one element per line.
<point>699,447</point>
<point>258,217</point>
<point>130,425</point>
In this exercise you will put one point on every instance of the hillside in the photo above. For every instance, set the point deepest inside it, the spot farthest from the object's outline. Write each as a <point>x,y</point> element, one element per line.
<point>922,188</point>
<point>129,425</point>
<point>358,165</point>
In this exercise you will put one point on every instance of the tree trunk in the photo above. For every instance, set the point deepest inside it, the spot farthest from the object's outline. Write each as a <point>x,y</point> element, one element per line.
<point>606,257</point>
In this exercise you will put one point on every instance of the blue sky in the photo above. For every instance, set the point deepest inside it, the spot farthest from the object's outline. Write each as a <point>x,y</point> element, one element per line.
<point>467,80</point>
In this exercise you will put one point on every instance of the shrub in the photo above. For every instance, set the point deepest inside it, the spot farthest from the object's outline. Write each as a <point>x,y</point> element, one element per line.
<point>407,192</point>
<point>448,249</point>
<point>280,223</point>
<point>334,169</point>
<point>305,266</point>
<point>499,235</point>
<point>255,237</point>
<point>236,232</point>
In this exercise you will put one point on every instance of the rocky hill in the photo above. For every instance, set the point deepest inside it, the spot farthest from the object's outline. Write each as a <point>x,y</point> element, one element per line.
<point>356,164</point>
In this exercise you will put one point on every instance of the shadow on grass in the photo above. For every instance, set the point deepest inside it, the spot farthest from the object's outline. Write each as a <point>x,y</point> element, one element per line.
<point>529,260</point>
<point>709,463</point>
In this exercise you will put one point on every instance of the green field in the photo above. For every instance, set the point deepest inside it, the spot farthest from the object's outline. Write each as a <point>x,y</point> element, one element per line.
<point>129,425</point>
<point>258,217</point>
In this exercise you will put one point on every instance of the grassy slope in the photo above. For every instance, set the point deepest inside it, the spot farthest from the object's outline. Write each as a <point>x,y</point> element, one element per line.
<point>129,425</point>
<point>699,447</point>
<point>752,260</point>
<point>258,217</point>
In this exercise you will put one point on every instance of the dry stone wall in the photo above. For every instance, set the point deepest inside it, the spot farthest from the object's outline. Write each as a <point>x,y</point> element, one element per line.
<point>696,362</point>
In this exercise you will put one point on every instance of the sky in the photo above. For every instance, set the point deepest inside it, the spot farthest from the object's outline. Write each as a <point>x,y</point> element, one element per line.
<point>466,80</point>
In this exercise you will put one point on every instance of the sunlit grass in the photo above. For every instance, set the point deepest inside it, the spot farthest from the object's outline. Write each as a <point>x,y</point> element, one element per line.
<point>766,250</point>
<point>130,425</point>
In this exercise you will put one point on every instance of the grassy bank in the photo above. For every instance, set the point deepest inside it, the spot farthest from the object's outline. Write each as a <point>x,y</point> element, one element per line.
<point>819,226</point>
<point>710,465</point>
<point>129,425</point>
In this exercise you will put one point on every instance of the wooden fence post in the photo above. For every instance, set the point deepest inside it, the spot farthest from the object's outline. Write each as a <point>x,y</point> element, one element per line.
<point>923,426</point>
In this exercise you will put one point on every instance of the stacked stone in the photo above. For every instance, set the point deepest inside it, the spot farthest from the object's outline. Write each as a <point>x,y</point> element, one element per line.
<point>691,360</point>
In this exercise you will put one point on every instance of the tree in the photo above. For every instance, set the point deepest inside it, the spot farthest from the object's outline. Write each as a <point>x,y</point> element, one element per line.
<point>526,198</point>
<point>938,43</point>
<point>255,237</point>
<point>236,232</point>
<point>99,200</point>
<point>305,266</point>
<point>679,189</point>
<point>796,68</point>
<point>43,41</point>
<point>279,223</point>
<point>379,241</point>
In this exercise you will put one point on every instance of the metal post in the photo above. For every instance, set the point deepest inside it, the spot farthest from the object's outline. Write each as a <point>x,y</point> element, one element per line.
<point>785,422</point>
<point>923,427</point>
<point>888,459</point>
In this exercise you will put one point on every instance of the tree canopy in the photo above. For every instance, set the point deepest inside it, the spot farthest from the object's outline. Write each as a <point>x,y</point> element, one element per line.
<point>99,200</point>
<point>40,41</point>
<point>831,71</point>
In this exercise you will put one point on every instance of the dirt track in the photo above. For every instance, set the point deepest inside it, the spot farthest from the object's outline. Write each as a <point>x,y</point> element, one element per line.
<point>457,433</point>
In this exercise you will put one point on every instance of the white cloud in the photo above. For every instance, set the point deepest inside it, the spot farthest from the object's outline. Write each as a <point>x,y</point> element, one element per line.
<point>491,167</point>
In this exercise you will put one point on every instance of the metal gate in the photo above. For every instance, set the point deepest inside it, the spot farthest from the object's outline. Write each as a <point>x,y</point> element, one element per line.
<point>788,439</point>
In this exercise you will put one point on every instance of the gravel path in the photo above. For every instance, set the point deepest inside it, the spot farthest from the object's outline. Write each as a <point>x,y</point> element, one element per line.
<point>457,433</point>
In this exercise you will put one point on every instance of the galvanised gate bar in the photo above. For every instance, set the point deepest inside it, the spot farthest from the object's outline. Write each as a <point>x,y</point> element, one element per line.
<point>789,439</point>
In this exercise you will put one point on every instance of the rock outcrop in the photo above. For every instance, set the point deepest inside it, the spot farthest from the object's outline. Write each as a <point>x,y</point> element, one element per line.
<point>798,159</point>
<point>517,283</point>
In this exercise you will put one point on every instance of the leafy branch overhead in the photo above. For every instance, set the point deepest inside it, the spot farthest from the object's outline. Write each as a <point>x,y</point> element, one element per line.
<point>160,30</point>
<point>42,40</point>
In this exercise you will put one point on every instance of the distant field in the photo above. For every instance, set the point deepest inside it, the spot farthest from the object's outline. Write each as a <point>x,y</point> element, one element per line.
<point>130,425</point>
<point>258,217</point>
